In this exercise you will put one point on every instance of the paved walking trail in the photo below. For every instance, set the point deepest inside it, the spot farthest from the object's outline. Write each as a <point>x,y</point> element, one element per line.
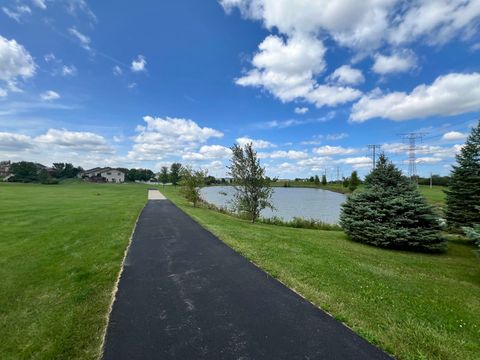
<point>184,294</point>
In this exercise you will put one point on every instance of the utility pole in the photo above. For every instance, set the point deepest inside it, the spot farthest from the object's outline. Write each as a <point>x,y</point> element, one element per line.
<point>412,156</point>
<point>373,147</point>
<point>431,180</point>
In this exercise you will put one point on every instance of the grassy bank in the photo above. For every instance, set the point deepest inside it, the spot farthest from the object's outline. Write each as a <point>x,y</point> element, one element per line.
<point>61,248</point>
<point>415,306</point>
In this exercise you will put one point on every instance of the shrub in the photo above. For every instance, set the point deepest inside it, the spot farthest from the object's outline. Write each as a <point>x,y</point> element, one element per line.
<point>391,213</point>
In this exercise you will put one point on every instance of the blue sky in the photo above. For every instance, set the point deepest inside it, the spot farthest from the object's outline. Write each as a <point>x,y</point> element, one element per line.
<point>310,82</point>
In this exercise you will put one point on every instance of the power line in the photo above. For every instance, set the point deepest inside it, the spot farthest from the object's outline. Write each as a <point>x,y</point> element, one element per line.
<point>412,148</point>
<point>373,147</point>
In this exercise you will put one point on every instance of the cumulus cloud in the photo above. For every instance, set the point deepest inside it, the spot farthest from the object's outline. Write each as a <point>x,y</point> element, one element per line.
<point>397,62</point>
<point>356,162</point>
<point>14,142</point>
<point>77,140</point>
<point>366,25</point>
<point>347,75</point>
<point>208,152</point>
<point>328,150</point>
<point>257,143</point>
<point>451,94</point>
<point>301,110</point>
<point>15,62</point>
<point>139,64</point>
<point>162,137</point>
<point>281,154</point>
<point>454,136</point>
<point>49,95</point>
<point>83,39</point>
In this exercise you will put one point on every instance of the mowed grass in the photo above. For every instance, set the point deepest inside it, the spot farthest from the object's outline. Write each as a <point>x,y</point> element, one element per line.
<point>415,306</point>
<point>61,248</point>
<point>435,195</point>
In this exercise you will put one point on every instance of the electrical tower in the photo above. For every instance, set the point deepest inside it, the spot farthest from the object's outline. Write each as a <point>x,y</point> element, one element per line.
<point>411,139</point>
<point>373,148</point>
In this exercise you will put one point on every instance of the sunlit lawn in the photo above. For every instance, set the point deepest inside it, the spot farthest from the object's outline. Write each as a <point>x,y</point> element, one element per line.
<point>61,248</point>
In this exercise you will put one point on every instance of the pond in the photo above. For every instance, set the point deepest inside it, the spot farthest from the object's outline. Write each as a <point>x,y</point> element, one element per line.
<point>306,203</point>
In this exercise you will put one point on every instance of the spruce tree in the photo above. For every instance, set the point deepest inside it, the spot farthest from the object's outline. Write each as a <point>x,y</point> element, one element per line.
<point>463,194</point>
<point>391,213</point>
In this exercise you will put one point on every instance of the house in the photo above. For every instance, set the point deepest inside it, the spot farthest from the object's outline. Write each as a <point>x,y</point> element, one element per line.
<point>5,168</point>
<point>106,174</point>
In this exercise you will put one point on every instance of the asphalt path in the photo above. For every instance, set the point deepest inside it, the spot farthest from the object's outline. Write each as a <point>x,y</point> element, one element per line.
<point>184,294</point>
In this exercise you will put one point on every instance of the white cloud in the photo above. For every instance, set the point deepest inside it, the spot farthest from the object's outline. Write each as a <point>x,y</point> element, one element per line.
<point>82,38</point>
<point>15,62</point>
<point>208,152</point>
<point>17,13</point>
<point>328,150</point>
<point>332,95</point>
<point>282,124</point>
<point>169,136</point>
<point>454,136</point>
<point>49,95</point>
<point>448,95</point>
<point>352,23</point>
<point>281,154</point>
<point>301,110</point>
<point>3,92</point>
<point>40,4</point>
<point>347,75</point>
<point>338,136</point>
<point>428,160</point>
<point>356,162</point>
<point>69,70</point>
<point>286,69</point>
<point>436,21</point>
<point>14,142</point>
<point>365,25</point>
<point>77,7</point>
<point>397,62</point>
<point>117,70</point>
<point>77,140</point>
<point>257,144</point>
<point>139,64</point>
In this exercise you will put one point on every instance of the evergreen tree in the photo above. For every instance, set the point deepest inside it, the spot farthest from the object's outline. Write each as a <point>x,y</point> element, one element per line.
<point>391,212</point>
<point>317,180</point>
<point>253,190</point>
<point>354,181</point>
<point>324,179</point>
<point>463,194</point>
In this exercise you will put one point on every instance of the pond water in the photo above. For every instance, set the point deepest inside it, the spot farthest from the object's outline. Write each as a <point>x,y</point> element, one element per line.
<point>306,203</point>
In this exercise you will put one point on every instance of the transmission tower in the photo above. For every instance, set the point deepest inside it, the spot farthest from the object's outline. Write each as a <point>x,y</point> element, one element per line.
<point>373,147</point>
<point>411,139</point>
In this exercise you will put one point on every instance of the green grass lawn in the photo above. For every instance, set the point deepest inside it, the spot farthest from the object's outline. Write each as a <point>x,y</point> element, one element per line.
<point>415,306</point>
<point>61,248</point>
<point>435,195</point>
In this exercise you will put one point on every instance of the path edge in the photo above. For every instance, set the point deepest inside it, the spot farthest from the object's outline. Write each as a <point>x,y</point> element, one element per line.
<point>292,289</point>
<point>117,282</point>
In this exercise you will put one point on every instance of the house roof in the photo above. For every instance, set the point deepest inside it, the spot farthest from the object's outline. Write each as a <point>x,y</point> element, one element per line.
<point>100,170</point>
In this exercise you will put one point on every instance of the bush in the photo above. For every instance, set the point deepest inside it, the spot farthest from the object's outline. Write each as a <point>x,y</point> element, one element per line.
<point>391,213</point>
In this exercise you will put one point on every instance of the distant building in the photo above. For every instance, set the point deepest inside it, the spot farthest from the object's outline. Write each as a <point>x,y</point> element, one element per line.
<point>5,168</point>
<point>103,175</point>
